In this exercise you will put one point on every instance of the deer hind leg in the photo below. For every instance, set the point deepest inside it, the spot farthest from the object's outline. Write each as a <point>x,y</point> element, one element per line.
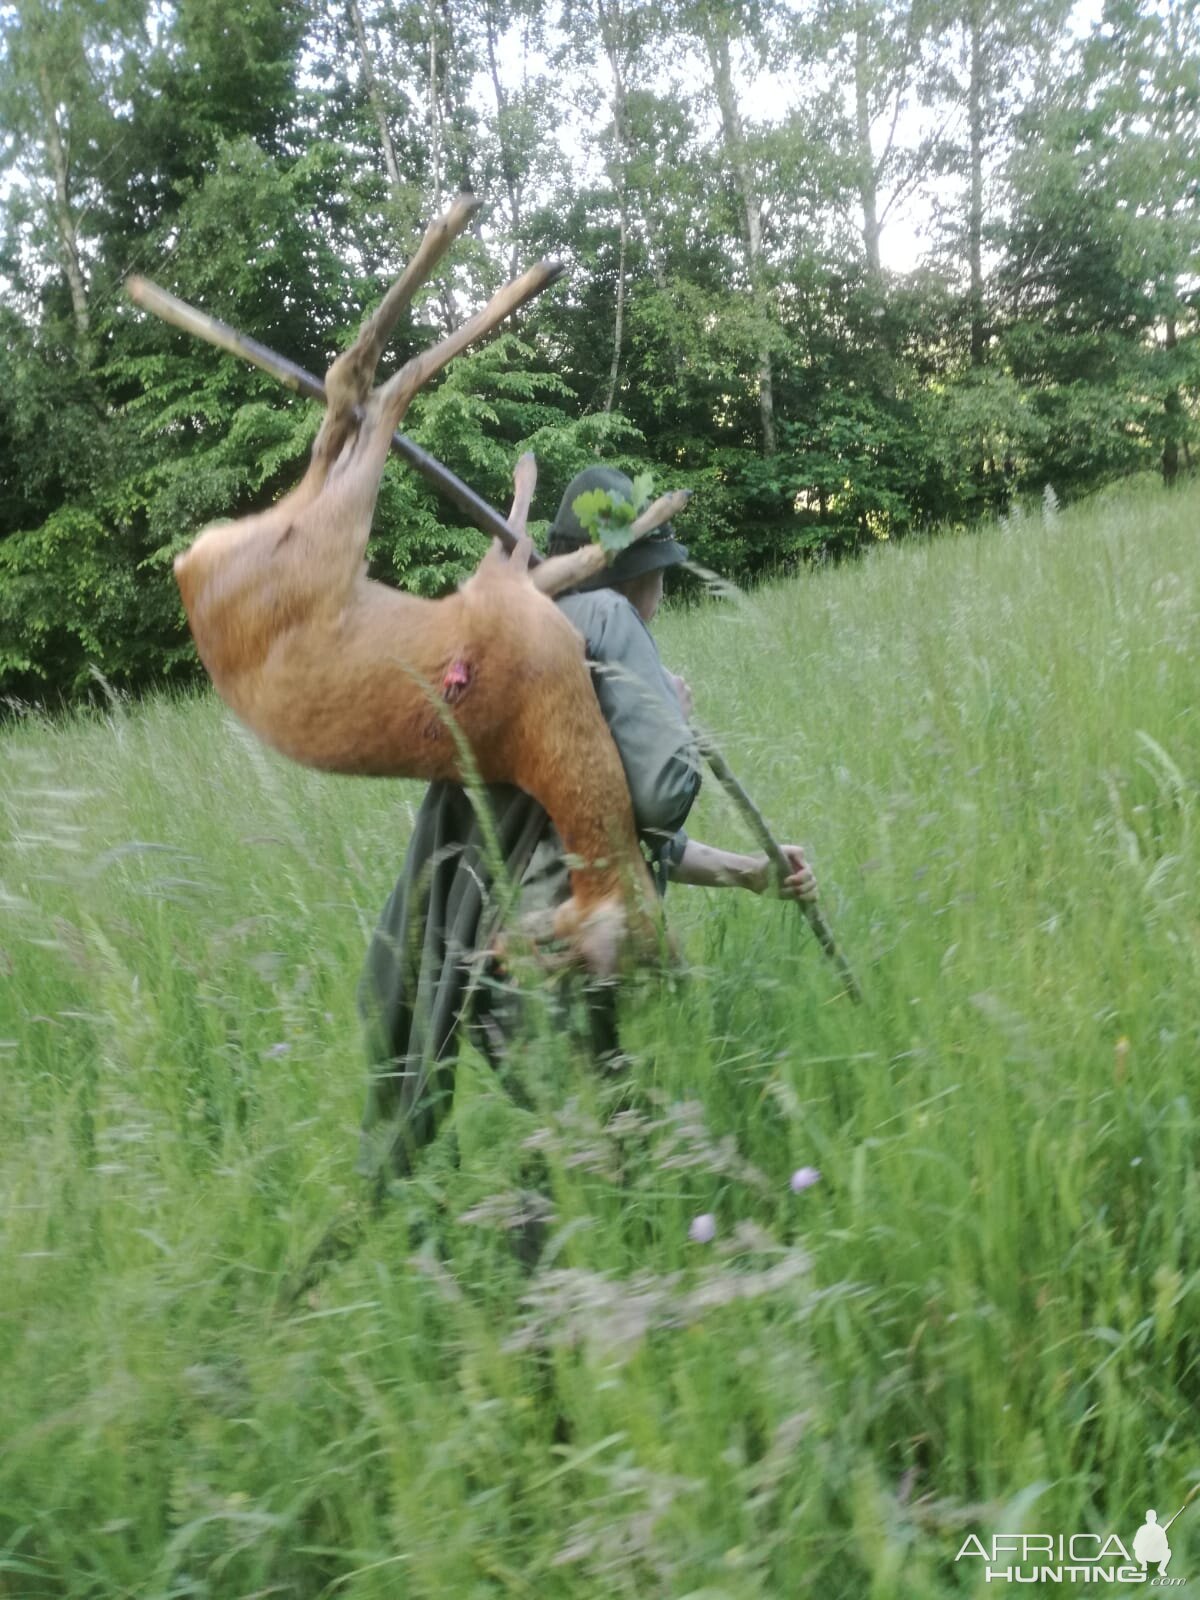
<point>558,573</point>
<point>567,760</point>
<point>388,404</point>
<point>351,480</point>
<point>348,381</point>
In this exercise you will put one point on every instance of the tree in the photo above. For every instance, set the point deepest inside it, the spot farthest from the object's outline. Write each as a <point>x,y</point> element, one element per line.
<point>1006,46</point>
<point>717,26</point>
<point>879,64</point>
<point>59,65</point>
<point>1105,244</point>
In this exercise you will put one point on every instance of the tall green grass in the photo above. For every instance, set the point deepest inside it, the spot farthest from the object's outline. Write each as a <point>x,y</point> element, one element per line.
<point>983,1317</point>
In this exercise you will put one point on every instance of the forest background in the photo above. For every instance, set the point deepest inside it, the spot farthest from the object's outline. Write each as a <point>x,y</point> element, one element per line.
<point>852,270</point>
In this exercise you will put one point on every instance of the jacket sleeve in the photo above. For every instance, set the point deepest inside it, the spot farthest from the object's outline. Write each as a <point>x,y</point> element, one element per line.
<point>660,758</point>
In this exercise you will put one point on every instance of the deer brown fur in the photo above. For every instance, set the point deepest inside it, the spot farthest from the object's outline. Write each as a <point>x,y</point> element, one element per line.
<point>349,675</point>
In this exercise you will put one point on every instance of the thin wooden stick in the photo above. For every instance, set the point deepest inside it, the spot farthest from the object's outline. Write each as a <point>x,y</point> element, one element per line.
<point>758,826</point>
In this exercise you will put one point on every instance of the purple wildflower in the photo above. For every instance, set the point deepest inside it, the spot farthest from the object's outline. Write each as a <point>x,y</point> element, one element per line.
<point>703,1229</point>
<point>804,1178</point>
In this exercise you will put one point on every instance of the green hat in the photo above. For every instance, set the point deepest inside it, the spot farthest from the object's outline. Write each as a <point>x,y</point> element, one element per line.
<point>657,550</point>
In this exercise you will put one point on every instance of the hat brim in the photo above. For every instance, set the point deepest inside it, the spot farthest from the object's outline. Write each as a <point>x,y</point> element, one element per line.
<point>652,554</point>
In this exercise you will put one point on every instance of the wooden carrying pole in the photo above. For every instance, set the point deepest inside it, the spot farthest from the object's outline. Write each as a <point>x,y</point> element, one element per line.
<point>490,521</point>
<point>757,824</point>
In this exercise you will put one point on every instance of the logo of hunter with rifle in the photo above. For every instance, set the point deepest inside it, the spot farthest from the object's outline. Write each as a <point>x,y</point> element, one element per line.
<point>1079,1557</point>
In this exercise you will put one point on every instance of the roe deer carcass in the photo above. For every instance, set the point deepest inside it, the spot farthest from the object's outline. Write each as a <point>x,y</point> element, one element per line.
<point>349,675</point>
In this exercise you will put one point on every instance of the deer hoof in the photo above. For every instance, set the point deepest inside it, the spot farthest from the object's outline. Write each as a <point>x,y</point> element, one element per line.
<point>609,935</point>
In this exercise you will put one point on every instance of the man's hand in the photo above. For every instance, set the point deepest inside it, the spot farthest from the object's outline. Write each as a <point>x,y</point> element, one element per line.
<point>682,693</point>
<point>800,883</point>
<point>711,868</point>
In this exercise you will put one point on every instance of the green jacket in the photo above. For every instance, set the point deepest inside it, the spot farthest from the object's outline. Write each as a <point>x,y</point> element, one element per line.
<point>441,912</point>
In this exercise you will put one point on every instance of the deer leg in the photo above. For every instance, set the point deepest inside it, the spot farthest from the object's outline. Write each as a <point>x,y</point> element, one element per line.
<point>392,399</point>
<point>327,519</point>
<point>348,381</point>
<point>333,505</point>
<point>354,370</point>
<point>558,573</point>
<point>359,470</point>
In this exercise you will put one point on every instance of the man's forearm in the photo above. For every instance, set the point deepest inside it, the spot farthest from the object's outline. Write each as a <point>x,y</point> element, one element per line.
<point>709,868</point>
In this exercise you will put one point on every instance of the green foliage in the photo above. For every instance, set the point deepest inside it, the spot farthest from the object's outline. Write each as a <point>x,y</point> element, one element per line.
<point>958,1319</point>
<point>77,598</point>
<point>234,150</point>
<point>493,404</point>
<point>1104,247</point>
<point>566,445</point>
<point>609,517</point>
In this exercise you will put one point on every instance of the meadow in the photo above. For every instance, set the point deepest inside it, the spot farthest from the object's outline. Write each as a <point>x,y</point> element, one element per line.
<point>981,1318</point>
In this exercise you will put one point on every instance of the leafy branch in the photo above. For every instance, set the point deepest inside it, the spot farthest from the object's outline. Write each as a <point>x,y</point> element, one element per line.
<point>609,517</point>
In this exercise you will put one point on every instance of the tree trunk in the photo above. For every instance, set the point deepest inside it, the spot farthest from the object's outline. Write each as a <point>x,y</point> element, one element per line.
<point>610,36</point>
<point>371,85</point>
<point>508,167</point>
<point>64,221</point>
<point>868,188</point>
<point>975,117</point>
<point>609,32</point>
<point>435,116</point>
<point>453,105</point>
<point>717,42</point>
<point>1173,419</point>
<point>619,319</point>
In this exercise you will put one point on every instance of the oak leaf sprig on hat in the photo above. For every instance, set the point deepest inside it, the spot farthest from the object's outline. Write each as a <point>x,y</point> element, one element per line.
<point>608,517</point>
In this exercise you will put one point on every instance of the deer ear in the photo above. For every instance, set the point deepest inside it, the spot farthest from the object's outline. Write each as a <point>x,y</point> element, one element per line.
<point>518,560</point>
<point>494,560</point>
<point>524,483</point>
